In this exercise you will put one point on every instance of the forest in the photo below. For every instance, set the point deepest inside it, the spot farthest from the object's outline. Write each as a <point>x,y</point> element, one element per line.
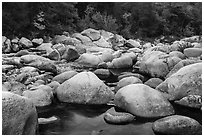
<point>131,20</point>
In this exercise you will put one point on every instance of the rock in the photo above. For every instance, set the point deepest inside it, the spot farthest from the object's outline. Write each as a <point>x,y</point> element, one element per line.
<point>45,47</point>
<point>157,63</point>
<point>6,68</point>
<point>122,62</point>
<point>106,56</point>
<point>64,76</point>
<point>106,35</point>
<point>129,74</point>
<point>177,54</point>
<point>71,41</point>
<point>180,46</point>
<point>19,115</point>
<point>113,117</point>
<point>197,45</point>
<point>70,54</point>
<point>89,60</point>
<point>84,88</point>
<point>192,39</point>
<point>25,43</point>
<point>37,42</point>
<point>94,35</point>
<point>15,87</point>
<point>61,48</point>
<point>59,39</point>
<point>39,62</point>
<point>153,82</point>
<point>186,81</point>
<point>147,45</point>
<point>6,45</point>
<point>117,41</point>
<point>177,125</point>
<point>102,73</point>
<point>54,85</point>
<point>193,101</point>
<point>15,47</point>
<point>54,55</point>
<point>102,65</point>
<point>83,39</point>
<point>143,101</point>
<point>127,81</point>
<point>132,44</point>
<point>47,120</point>
<point>181,64</point>
<point>22,52</point>
<point>135,50</point>
<point>192,52</point>
<point>102,43</point>
<point>28,69</point>
<point>41,95</point>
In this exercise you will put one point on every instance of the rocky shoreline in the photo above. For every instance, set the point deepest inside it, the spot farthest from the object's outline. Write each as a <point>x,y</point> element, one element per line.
<point>82,69</point>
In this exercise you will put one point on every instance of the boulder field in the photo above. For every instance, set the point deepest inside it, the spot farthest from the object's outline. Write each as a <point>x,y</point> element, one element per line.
<point>136,79</point>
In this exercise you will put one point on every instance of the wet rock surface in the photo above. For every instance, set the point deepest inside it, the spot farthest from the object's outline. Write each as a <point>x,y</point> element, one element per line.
<point>73,80</point>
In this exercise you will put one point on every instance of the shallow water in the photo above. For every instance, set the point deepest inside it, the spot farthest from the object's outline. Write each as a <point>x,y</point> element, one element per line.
<point>86,120</point>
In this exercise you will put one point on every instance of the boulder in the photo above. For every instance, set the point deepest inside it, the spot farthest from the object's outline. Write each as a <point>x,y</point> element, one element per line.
<point>6,68</point>
<point>70,54</point>
<point>192,52</point>
<point>28,69</point>
<point>197,45</point>
<point>25,43</point>
<point>106,56</point>
<point>129,74</point>
<point>192,101</point>
<point>143,101</point>
<point>102,43</point>
<point>102,73</point>
<point>54,85</point>
<point>153,82</point>
<point>93,34</point>
<point>61,48</point>
<point>22,52</point>
<point>19,115</point>
<point>84,88</point>
<point>89,60</point>
<point>37,41</point>
<point>122,62</point>
<point>127,81</point>
<point>132,44</point>
<point>83,39</point>
<point>157,63</point>
<point>181,64</point>
<point>135,50</point>
<point>6,45</point>
<point>106,35</point>
<point>177,54</point>
<point>40,96</point>
<point>15,87</point>
<point>186,81</point>
<point>177,125</point>
<point>64,76</point>
<point>45,47</point>
<point>192,39</point>
<point>115,117</point>
<point>38,62</point>
<point>59,39</point>
<point>71,41</point>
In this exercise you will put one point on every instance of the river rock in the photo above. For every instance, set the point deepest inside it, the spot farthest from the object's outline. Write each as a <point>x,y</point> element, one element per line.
<point>127,81</point>
<point>193,101</point>
<point>157,63</point>
<point>153,82</point>
<point>15,87</point>
<point>6,45</point>
<point>177,125</point>
<point>28,69</point>
<point>102,43</point>
<point>6,68</point>
<point>19,115</point>
<point>192,52</point>
<point>47,120</point>
<point>143,101</point>
<point>102,73</point>
<point>106,56</point>
<point>132,44</point>
<point>54,85</point>
<point>181,64</point>
<point>84,39</point>
<point>84,88</point>
<point>70,54</point>
<point>25,43</point>
<point>122,62</point>
<point>37,41</point>
<point>45,47</point>
<point>41,95</point>
<point>59,39</point>
<point>89,60</point>
<point>93,34</point>
<point>106,35</point>
<point>39,62</point>
<point>177,54</point>
<point>64,76</point>
<point>129,74</point>
<point>186,81</point>
<point>114,117</point>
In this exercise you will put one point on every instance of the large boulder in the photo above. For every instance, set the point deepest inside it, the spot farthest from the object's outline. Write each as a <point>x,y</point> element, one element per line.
<point>143,101</point>
<point>186,81</point>
<point>25,43</point>
<point>64,76</point>
<point>177,125</point>
<point>84,88</point>
<point>122,62</point>
<point>41,95</point>
<point>89,60</point>
<point>38,62</point>
<point>157,63</point>
<point>19,115</point>
<point>93,34</point>
<point>192,52</point>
